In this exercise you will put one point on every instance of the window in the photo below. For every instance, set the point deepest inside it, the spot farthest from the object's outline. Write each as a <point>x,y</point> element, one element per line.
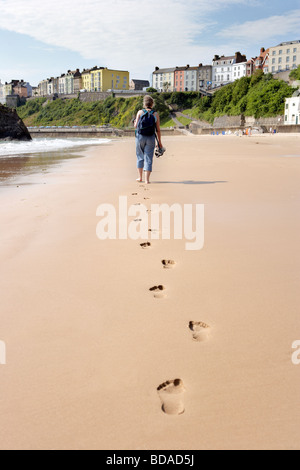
<point>273,61</point>
<point>295,49</point>
<point>273,69</point>
<point>228,77</point>
<point>288,51</point>
<point>286,117</point>
<point>280,60</point>
<point>287,106</point>
<point>273,52</point>
<point>280,52</point>
<point>294,58</point>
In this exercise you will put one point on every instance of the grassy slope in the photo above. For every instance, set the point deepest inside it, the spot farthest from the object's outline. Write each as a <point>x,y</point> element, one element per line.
<point>259,96</point>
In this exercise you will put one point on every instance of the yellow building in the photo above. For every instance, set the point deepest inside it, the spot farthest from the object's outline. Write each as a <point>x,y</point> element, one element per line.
<point>114,80</point>
<point>86,79</point>
<point>103,79</point>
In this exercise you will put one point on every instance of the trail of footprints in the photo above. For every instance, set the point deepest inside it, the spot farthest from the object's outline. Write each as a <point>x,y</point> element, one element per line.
<point>171,392</point>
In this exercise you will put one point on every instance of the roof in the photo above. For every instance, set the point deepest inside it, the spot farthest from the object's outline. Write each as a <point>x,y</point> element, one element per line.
<point>296,93</point>
<point>165,70</point>
<point>288,42</point>
<point>135,80</point>
<point>225,58</point>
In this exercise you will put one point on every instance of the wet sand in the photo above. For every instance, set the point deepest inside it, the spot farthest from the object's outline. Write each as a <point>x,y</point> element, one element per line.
<point>97,360</point>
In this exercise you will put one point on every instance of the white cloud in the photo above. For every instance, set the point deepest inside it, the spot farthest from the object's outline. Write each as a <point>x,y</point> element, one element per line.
<point>265,28</point>
<point>127,34</point>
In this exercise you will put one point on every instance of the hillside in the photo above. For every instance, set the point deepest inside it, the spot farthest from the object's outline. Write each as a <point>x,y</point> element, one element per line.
<point>259,96</point>
<point>119,112</point>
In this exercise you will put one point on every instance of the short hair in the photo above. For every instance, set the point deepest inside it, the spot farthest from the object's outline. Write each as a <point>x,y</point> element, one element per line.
<point>148,101</point>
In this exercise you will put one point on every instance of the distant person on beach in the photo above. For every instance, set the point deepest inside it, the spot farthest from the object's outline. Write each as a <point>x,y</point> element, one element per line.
<point>146,123</point>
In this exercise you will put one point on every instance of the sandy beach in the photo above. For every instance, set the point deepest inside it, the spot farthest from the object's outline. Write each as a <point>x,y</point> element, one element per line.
<point>87,342</point>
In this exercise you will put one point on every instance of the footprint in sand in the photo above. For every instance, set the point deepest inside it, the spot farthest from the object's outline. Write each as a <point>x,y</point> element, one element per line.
<point>146,198</point>
<point>137,220</point>
<point>171,394</point>
<point>168,263</point>
<point>134,194</point>
<point>145,245</point>
<point>200,330</point>
<point>158,291</point>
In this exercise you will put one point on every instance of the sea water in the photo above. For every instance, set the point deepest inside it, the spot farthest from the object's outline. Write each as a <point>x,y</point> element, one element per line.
<point>18,158</point>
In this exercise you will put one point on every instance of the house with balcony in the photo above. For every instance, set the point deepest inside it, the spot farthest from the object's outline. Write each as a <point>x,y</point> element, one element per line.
<point>204,77</point>
<point>53,86</point>
<point>222,68</point>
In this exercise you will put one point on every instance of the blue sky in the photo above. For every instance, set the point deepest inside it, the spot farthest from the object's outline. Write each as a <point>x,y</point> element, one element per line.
<point>39,40</point>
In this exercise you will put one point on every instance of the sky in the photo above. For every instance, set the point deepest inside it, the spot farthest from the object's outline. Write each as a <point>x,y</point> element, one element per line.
<point>43,39</point>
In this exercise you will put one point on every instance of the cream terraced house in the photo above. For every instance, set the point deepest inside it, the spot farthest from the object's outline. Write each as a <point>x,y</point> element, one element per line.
<point>285,56</point>
<point>161,76</point>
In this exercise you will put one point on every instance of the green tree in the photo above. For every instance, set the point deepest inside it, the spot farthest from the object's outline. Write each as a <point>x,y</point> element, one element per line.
<point>295,74</point>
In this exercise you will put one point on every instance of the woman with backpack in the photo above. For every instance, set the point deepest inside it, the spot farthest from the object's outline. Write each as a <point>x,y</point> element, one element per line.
<point>147,123</point>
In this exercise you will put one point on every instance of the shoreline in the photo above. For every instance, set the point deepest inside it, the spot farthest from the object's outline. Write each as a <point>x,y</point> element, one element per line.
<point>88,343</point>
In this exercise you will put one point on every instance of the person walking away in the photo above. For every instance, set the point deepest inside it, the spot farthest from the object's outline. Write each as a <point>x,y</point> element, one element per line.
<point>146,123</point>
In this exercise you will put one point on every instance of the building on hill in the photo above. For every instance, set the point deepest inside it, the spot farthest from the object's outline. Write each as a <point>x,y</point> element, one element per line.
<point>22,90</point>
<point>222,68</point>
<point>77,81</point>
<point>179,79</point>
<point>161,77</point>
<point>204,77</point>
<point>117,80</point>
<point>285,56</point>
<point>86,79</point>
<point>239,70</point>
<point>43,87</point>
<point>292,109</point>
<point>53,86</point>
<point>138,84</point>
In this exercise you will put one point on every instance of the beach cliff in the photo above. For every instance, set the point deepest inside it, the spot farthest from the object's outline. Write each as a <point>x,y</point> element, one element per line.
<point>11,126</point>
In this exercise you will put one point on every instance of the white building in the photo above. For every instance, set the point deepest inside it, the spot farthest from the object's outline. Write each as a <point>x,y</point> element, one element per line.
<point>62,84</point>
<point>191,79</point>
<point>292,109</point>
<point>222,69</point>
<point>239,70</point>
<point>285,56</point>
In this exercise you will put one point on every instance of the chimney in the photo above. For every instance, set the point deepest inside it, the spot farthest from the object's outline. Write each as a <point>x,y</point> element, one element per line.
<point>262,50</point>
<point>216,57</point>
<point>156,68</point>
<point>188,66</point>
<point>200,65</point>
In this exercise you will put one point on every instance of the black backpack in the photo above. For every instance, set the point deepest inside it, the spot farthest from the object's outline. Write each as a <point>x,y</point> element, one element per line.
<point>147,123</point>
